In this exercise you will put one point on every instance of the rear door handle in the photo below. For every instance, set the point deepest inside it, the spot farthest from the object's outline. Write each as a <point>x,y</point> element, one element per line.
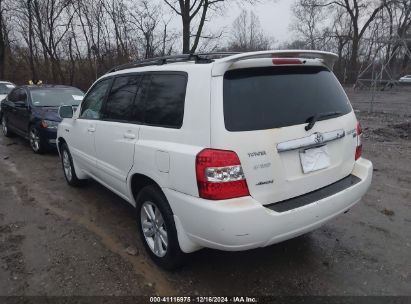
<point>91,129</point>
<point>129,135</point>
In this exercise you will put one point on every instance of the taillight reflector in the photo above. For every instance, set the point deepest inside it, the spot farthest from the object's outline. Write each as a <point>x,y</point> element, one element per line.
<point>358,150</point>
<point>280,61</point>
<point>220,175</point>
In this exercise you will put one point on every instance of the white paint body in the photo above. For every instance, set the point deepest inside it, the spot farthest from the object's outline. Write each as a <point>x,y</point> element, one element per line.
<point>106,152</point>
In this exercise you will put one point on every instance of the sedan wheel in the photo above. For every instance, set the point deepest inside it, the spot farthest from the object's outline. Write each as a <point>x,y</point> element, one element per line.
<point>154,229</point>
<point>35,140</point>
<point>4,126</point>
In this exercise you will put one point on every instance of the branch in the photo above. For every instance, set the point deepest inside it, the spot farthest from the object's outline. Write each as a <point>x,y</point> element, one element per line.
<point>196,10</point>
<point>172,7</point>
<point>200,27</point>
<point>372,17</point>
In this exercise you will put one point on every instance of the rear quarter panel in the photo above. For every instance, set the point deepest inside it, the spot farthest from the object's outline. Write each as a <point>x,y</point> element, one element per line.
<point>158,146</point>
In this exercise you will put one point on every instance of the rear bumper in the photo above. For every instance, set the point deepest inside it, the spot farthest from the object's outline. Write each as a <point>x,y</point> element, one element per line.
<point>243,223</point>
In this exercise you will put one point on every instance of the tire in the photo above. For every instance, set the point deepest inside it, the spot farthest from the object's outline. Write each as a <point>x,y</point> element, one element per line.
<point>160,239</point>
<point>68,167</point>
<point>36,144</point>
<point>5,126</point>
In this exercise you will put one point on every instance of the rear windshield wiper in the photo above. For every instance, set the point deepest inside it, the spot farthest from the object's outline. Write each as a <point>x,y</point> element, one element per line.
<point>313,119</point>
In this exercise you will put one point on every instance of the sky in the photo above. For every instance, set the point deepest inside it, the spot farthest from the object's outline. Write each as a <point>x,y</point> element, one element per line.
<point>275,17</point>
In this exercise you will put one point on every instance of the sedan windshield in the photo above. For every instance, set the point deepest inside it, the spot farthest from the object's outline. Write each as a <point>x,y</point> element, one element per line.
<point>55,97</point>
<point>5,88</point>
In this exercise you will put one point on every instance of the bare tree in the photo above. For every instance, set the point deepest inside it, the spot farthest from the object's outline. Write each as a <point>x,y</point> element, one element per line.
<point>400,26</point>
<point>116,10</point>
<point>247,34</point>
<point>341,32</point>
<point>4,6</point>
<point>153,33</point>
<point>30,40</point>
<point>361,14</point>
<point>308,16</point>
<point>189,10</point>
<point>146,18</point>
<point>53,21</point>
<point>351,21</point>
<point>75,41</point>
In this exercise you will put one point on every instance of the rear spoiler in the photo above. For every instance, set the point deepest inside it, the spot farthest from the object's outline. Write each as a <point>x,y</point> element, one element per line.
<point>221,65</point>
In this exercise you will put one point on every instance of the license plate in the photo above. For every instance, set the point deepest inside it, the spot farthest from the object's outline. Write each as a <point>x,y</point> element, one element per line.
<point>315,159</point>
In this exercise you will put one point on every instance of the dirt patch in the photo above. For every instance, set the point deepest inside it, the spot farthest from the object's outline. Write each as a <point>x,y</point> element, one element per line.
<point>392,132</point>
<point>76,252</point>
<point>405,128</point>
<point>14,264</point>
<point>387,212</point>
<point>5,229</point>
<point>11,243</point>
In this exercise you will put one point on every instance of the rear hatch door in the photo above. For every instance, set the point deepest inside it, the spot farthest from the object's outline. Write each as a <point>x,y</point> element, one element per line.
<point>262,113</point>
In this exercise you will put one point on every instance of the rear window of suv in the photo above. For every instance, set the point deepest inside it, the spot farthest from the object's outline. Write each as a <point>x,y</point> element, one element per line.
<point>275,97</point>
<point>165,100</point>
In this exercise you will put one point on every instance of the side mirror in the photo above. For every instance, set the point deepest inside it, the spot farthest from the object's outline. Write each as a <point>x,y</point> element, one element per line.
<point>66,112</point>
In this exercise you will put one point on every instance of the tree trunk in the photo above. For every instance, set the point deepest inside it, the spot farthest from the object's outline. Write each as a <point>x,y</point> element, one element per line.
<point>200,27</point>
<point>72,62</point>
<point>352,76</point>
<point>186,34</point>
<point>355,46</point>
<point>405,62</point>
<point>31,35</point>
<point>2,43</point>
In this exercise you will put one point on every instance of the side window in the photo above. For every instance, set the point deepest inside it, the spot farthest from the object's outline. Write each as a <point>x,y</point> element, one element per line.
<point>22,95</point>
<point>13,95</point>
<point>165,100</point>
<point>121,100</point>
<point>18,94</point>
<point>91,105</point>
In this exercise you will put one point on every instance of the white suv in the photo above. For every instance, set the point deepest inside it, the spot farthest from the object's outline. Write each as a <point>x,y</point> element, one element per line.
<point>231,153</point>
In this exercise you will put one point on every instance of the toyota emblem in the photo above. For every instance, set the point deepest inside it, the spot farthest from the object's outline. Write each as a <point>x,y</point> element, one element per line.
<point>319,138</point>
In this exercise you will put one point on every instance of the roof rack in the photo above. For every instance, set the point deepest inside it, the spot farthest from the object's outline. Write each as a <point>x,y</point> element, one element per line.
<point>218,55</point>
<point>201,58</point>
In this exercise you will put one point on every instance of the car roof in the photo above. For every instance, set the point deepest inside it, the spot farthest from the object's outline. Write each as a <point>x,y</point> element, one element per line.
<point>48,86</point>
<point>218,64</point>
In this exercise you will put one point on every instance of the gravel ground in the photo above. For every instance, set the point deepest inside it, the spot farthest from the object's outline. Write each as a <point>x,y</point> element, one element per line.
<point>56,240</point>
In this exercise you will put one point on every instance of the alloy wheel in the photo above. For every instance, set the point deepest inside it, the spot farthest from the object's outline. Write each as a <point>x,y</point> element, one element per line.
<point>67,165</point>
<point>154,229</point>
<point>34,140</point>
<point>4,125</point>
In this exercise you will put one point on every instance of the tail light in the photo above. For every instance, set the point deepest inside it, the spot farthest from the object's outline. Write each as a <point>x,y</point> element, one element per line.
<point>220,175</point>
<point>358,150</point>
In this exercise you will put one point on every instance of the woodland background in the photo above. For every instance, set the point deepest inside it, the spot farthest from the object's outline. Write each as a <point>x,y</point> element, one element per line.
<point>75,41</point>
